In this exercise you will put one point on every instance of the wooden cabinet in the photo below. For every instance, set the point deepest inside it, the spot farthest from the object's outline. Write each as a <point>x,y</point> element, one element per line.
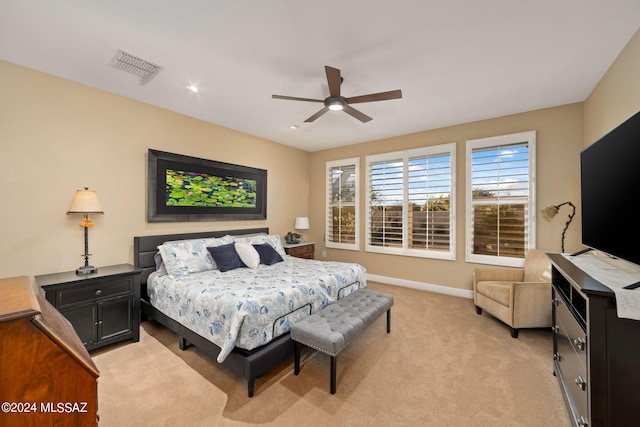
<point>104,307</point>
<point>300,250</point>
<point>47,377</point>
<point>595,352</point>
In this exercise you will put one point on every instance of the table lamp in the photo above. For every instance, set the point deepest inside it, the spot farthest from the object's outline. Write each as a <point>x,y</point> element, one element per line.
<point>551,211</point>
<point>85,202</point>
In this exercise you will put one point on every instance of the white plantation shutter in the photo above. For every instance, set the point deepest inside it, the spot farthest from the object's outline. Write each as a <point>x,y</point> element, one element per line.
<point>386,189</point>
<point>410,197</point>
<point>342,204</point>
<point>500,198</point>
<point>430,178</point>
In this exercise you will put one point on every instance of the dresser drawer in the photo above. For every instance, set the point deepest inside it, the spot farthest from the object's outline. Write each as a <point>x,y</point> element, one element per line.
<point>302,251</point>
<point>571,347</point>
<point>574,375</point>
<point>571,330</point>
<point>92,291</point>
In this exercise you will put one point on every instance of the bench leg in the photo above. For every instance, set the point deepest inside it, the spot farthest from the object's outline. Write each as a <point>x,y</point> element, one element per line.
<point>296,358</point>
<point>388,320</point>
<point>333,374</point>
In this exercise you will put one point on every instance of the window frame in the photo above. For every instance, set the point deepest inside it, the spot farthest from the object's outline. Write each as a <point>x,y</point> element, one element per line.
<point>528,137</point>
<point>329,166</point>
<point>404,156</point>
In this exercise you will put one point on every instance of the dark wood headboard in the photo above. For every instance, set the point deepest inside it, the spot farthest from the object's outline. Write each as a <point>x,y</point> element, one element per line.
<point>145,247</point>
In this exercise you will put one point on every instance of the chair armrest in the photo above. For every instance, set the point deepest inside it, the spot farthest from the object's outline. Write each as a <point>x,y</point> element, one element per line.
<point>532,304</point>
<point>499,274</point>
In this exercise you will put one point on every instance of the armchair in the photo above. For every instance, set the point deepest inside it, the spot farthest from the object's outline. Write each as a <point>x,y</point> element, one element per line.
<point>519,297</point>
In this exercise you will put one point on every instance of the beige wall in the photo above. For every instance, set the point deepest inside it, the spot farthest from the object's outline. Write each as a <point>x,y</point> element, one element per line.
<point>617,96</point>
<point>57,136</point>
<point>559,140</point>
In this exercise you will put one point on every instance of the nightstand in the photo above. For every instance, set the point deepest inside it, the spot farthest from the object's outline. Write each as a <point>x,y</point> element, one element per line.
<point>103,307</point>
<point>300,250</point>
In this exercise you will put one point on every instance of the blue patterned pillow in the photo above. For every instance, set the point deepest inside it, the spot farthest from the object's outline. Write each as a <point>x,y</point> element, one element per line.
<point>268,255</point>
<point>226,257</point>
<point>182,257</point>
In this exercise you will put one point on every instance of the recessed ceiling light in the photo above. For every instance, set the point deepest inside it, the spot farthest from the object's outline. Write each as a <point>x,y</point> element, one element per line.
<point>293,127</point>
<point>193,88</point>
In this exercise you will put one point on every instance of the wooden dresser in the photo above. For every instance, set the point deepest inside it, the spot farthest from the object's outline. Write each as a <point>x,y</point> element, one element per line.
<point>300,250</point>
<point>595,352</point>
<point>47,377</point>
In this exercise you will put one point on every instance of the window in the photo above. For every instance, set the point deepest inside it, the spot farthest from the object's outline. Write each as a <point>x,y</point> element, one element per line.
<point>343,201</point>
<point>501,198</point>
<point>411,202</point>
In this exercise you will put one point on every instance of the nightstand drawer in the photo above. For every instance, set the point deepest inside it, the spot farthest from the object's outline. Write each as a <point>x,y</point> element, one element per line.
<point>305,250</point>
<point>92,291</point>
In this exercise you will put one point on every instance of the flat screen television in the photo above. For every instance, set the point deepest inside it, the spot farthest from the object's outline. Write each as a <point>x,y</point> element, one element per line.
<point>610,184</point>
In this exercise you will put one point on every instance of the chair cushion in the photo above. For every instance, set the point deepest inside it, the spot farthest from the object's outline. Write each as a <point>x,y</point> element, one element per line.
<point>497,291</point>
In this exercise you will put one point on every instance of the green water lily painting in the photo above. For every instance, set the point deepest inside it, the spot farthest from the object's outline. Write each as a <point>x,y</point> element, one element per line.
<point>200,189</point>
<point>184,188</point>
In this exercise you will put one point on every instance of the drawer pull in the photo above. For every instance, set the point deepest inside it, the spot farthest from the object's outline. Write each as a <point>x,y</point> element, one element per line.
<point>98,292</point>
<point>579,342</point>
<point>581,383</point>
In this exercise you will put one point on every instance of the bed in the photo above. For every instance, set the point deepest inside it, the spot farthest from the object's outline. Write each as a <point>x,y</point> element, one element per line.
<point>249,335</point>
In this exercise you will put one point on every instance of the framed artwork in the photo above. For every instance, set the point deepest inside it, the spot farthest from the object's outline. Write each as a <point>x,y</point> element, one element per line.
<point>184,188</point>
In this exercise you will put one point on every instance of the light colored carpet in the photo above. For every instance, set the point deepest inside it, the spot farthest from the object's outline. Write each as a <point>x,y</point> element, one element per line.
<point>441,365</point>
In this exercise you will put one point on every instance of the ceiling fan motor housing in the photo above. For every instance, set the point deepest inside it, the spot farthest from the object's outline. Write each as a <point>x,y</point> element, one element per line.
<point>335,103</point>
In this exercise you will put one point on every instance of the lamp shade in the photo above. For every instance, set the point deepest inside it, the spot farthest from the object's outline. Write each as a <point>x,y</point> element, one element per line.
<point>549,212</point>
<point>85,201</point>
<point>302,223</point>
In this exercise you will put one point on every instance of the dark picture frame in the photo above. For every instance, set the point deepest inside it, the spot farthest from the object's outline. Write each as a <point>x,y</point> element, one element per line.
<point>184,188</point>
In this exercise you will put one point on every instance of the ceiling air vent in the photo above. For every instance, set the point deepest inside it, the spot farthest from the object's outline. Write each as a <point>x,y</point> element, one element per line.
<point>142,68</point>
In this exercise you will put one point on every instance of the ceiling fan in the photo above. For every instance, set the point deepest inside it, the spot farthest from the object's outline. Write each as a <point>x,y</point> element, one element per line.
<point>337,102</point>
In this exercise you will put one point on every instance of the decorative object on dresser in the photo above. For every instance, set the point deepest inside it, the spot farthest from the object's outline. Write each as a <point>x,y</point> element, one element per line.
<point>517,296</point>
<point>104,307</point>
<point>43,363</point>
<point>301,250</point>
<point>550,211</point>
<point>301,223</point>
<point>595,351</point>
<point>85,202</point>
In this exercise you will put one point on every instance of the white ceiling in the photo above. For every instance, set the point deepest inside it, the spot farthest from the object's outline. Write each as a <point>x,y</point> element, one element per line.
<point>455,61</point>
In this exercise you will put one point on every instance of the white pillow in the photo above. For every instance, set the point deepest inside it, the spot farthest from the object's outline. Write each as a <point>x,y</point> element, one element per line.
<point>271,239</point>
<point>248,254</point>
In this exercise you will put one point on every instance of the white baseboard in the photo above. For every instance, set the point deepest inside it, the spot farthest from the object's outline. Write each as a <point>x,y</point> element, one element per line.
<point>464,293</point>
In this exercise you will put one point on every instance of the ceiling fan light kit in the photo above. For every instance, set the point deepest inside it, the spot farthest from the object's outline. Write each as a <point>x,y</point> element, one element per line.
<point>337,102</point>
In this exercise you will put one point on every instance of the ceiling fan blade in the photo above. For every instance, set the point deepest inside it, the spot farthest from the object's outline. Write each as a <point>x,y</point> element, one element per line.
<point>294,98</point>
<point>382,96</point>
<point>316,115</point>
<point>333,78</point>
<point>357,114</point>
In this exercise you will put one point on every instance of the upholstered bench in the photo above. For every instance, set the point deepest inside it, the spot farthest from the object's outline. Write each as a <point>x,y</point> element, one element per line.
<point>331,329</point>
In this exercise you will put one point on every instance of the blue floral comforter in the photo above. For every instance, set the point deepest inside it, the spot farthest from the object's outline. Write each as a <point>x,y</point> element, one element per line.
<point>248,307</point>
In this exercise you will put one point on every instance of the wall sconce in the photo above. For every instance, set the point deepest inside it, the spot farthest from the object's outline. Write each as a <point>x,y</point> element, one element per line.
<point>550,211</point>
<point>85,202</point>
